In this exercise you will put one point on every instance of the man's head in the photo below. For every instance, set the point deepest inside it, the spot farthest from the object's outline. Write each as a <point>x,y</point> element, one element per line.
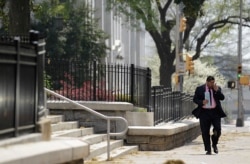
<point>210,81</point>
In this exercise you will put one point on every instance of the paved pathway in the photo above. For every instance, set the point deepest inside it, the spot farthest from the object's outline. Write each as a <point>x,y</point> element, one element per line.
<point>234,148</point>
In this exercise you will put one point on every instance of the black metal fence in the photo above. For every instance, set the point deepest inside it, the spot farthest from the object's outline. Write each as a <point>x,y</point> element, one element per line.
<point>22,94</point>
<point>98,82</point>
<point>20,82</point>
<point>170,106</point>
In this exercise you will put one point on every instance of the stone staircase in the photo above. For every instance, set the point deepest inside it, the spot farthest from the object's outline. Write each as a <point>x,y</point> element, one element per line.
<point>97,142</point>
<point>71,144</point>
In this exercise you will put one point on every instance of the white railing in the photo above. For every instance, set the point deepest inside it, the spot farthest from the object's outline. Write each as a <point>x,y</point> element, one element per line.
<point>107,118</point>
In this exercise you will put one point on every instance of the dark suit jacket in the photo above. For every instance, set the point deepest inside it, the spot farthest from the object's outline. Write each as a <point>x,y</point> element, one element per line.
<point>199,96</point>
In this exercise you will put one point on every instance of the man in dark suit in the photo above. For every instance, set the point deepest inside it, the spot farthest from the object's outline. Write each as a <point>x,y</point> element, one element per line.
<point>209,112</point>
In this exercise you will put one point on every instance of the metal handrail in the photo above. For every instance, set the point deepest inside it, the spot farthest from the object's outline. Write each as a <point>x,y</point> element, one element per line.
<point>108,118</point>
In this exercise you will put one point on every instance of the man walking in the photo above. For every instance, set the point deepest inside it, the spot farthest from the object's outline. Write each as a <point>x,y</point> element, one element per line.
<point>209,112</point>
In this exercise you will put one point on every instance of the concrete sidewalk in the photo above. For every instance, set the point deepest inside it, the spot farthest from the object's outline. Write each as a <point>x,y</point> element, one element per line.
<point>234,148</point>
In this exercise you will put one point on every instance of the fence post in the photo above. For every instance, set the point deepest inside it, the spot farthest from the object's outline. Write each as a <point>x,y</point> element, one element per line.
<point>153,103</point>
<point>17,46</point>
<point>148,80</point>
<point>39,77</point>
<point>39,44</point>
<point>94,81</point>
<point>182,105</point>
<point>132,86</point>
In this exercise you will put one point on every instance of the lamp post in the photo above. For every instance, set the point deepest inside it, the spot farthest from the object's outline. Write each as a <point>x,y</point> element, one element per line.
<point>240,118</point>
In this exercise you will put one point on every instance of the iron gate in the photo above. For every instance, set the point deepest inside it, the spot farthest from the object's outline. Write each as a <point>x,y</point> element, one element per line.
<point>21,84</point>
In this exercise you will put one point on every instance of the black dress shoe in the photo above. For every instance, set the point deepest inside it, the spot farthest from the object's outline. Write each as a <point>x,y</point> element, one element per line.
<point>208,153</point>
<point>215,149</point>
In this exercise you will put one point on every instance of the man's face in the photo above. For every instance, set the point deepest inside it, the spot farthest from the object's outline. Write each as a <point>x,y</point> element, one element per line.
<point>210,83</point>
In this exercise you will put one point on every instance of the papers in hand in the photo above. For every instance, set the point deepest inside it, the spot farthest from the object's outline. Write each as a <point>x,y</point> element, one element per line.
<point>207,97</point>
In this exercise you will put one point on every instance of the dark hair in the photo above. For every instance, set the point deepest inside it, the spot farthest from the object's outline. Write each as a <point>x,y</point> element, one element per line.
<point>210,78</point>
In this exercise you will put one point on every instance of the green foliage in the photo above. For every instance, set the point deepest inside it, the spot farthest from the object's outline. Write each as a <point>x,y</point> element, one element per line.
<point>71,35</point>
<point>71,31</point>
<point>139,109</point>
<point>3,16</point>
<point>141,10</point>
<point>47,81</point>
<point>192,7</point>
<point>122,97</point>
<point>87,41</point>
<point>177,1</point>
<point>125,98</point>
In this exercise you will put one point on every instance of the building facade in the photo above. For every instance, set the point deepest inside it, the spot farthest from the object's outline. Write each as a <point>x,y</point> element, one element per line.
<point>127,44</point>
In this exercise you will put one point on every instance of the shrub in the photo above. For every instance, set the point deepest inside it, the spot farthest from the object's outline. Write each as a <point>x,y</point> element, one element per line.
<point>85,92</point>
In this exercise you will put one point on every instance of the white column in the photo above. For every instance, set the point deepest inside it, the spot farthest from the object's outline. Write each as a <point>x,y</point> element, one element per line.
<point>140,49</point>
<point>108,28</point>
<point>99,12</point>
<point>132,46</point>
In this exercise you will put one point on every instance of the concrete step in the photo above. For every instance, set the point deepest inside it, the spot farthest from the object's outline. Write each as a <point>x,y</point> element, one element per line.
<point>98,147</point>
<point>34,137</point>
<point>97,142</point>
<point>116,153</point>
<point>51,152</point>
<point>55,118</point>
<point>94,138</point>
<point>101,148</point>
<point>64,126</point>
<point>73,132</point>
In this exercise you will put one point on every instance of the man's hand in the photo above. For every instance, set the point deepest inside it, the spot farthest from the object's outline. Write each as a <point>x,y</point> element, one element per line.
<point>205,102</point>
<point>215,87</point>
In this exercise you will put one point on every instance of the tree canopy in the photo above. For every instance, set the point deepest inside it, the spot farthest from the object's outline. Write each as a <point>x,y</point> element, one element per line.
<point>15,16</point>
<point>71,31</point>
<point>206,22</point>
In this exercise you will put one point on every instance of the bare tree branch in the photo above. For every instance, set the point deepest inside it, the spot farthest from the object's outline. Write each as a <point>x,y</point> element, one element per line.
<point>210,28</point>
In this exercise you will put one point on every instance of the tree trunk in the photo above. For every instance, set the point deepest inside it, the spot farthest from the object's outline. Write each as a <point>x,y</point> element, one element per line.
<point>19,15</point>
<point>167,58</point>
<point>166,70</point>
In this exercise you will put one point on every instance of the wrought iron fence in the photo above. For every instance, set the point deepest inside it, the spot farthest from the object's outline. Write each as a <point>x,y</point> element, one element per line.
<point>22,94</point>
<point>170,106</point>
<point>20,64</point>
<point>99,82</point>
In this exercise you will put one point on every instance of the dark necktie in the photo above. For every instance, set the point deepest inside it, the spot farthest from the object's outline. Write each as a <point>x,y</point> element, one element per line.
<point>210,96</point>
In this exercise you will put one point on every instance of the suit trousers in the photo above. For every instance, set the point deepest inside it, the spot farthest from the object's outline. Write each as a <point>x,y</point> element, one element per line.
<point>208,118</point>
